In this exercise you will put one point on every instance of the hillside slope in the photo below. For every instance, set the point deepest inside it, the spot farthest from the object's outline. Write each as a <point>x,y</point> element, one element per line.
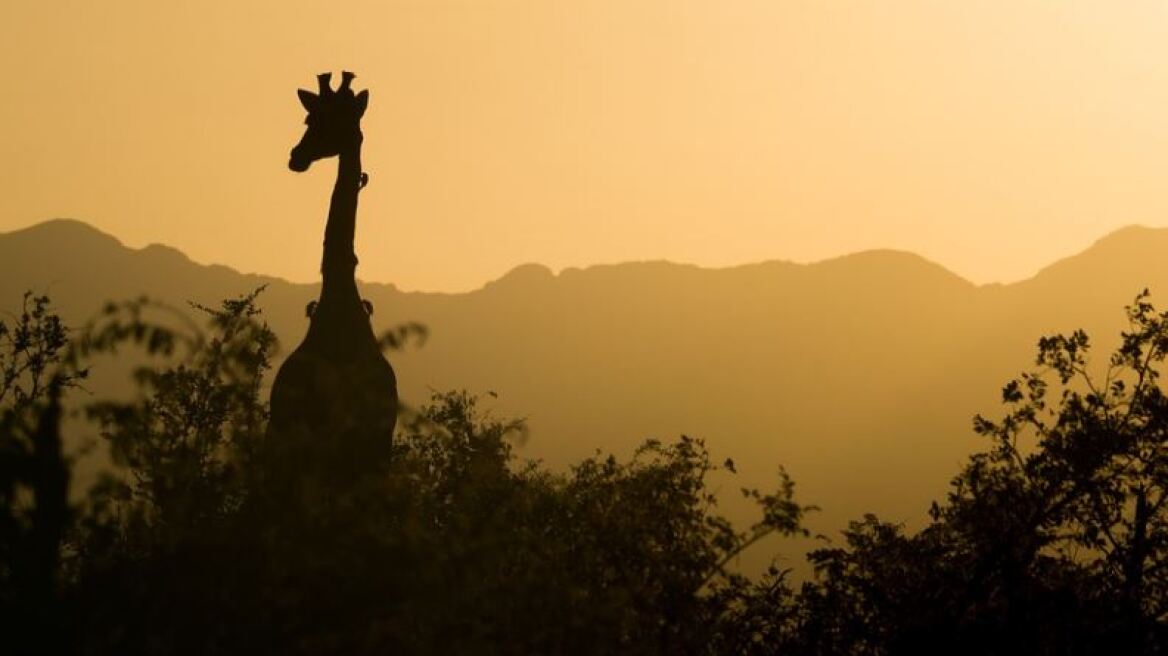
<point>859,374</point>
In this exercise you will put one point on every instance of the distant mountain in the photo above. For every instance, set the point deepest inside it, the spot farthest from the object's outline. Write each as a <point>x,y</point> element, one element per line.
<point>859,374</point>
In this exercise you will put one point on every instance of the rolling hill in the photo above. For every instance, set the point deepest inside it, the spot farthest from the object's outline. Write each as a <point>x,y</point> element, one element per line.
<point>859,374</point>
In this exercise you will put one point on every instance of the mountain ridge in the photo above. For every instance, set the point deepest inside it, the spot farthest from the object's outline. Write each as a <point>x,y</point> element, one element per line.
<point>859,374</point>
<point>79,230</point>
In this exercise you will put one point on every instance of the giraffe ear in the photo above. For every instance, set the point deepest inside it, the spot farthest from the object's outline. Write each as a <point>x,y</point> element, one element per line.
<point>362,102</point>
<point>308,99</point>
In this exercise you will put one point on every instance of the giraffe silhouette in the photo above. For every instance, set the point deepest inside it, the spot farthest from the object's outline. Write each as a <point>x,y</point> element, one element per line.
<point>336,393</point>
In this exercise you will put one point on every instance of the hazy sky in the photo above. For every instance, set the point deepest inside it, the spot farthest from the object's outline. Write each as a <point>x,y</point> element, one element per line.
<point>992,137</point>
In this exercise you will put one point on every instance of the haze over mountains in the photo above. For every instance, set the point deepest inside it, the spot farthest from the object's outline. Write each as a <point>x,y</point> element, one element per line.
<point>859,374</point>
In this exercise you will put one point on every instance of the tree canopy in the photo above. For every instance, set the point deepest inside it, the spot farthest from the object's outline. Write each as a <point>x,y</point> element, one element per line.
<point>208,537</point>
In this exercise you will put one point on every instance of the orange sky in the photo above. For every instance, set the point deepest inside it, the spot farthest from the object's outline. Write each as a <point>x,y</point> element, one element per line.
<point>992,137</point>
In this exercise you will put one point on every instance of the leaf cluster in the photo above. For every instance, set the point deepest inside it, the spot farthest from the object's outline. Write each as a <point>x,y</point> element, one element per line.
<point>211,537</point>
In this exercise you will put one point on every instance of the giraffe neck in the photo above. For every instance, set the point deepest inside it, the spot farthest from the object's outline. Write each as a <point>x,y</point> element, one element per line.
<point>340,261</point>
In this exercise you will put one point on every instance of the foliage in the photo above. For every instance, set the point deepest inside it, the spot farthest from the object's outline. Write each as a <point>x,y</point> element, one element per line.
<point>1053,540</point>
<point>34,507</point>
<point>33,348</point>
<point>1085,479</point>
<point>211,536</point>
<point>187,440</point>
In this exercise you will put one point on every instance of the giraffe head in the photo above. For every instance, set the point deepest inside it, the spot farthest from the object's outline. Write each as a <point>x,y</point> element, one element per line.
<point>334,121</point>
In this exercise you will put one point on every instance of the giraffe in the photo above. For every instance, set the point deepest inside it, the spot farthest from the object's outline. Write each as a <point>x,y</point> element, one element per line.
<point>335,397</point>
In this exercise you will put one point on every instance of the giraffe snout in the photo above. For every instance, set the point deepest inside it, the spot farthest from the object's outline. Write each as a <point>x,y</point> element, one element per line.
<point>298,163</point>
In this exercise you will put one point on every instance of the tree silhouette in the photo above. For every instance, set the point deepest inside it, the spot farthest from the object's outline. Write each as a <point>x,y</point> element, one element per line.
<point>208,538</point>
<point>34,475</point>
<point>1051,541</point>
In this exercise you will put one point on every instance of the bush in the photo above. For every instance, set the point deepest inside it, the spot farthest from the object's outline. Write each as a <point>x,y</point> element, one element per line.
<point>209,538</point>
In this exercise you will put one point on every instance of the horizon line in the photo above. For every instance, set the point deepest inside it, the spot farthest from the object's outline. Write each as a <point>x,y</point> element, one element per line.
<point>557,272</point>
